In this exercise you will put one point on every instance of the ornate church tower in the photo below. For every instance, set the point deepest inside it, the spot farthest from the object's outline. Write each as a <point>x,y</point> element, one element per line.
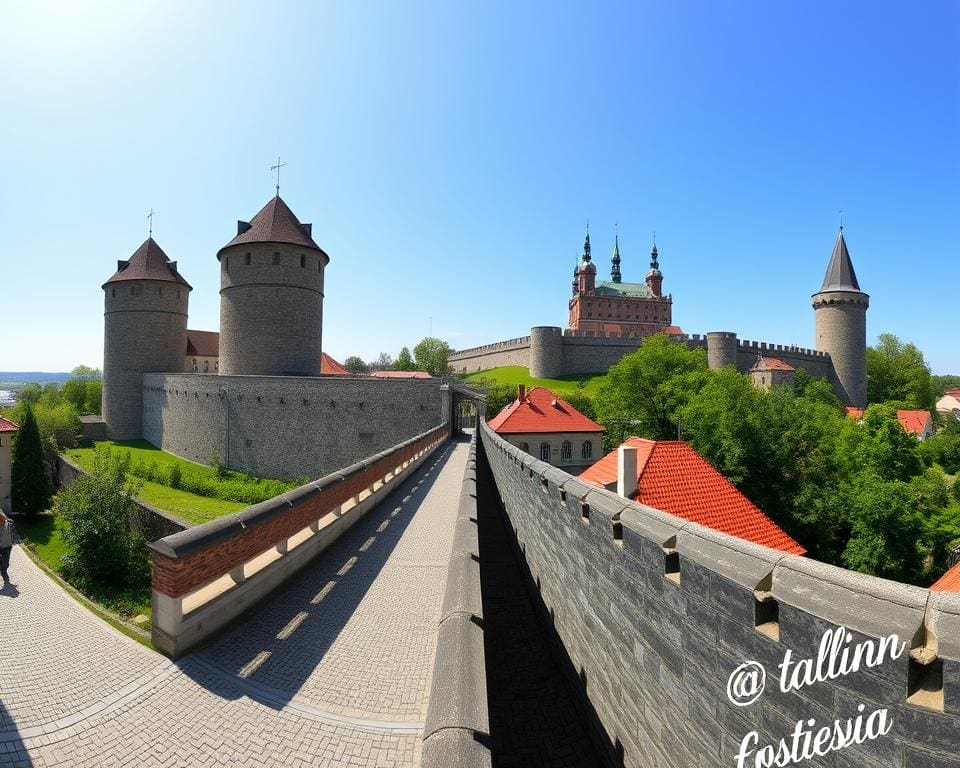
<point>271,296</point>
<point>654,277</point>
<point>615,260</point>
<point>587,274</point>
<point>840,311</point>
<point>144,331</point>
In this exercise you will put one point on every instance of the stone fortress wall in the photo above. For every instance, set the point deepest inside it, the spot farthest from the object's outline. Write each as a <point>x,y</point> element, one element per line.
<point>550,352</point>
<point>287,427</point>
<point>655,613</point>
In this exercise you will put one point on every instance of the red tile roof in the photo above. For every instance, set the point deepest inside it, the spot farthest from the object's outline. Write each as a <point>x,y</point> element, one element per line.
<point>148,262</point>
<point>674,478</point>
<point>917,422</point>
<point>330,367</point>
<point>541,411</point>
<point>952,393</point>
<point>853,412</point>
<point>673,330</point>
<point>203,343</point>
<point>949,582</point>
<point>771,364</point>
<point>401,375</point>
<point>7,426</point>
<point>275,223</point>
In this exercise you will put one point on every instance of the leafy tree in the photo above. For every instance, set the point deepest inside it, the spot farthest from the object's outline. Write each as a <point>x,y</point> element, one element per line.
<point>645,389</point>
<point>355,365</point>
<point>383,363</point>
<point>583,403</point>
<point>83,390</point>
<point>96,509</point>
<point>897,372</point>
<point>404,360</point>
<point>886,448</point>
<point>30,486</point>
<point>942,383</point>
<point>30,394</point>
<point>431,355</point>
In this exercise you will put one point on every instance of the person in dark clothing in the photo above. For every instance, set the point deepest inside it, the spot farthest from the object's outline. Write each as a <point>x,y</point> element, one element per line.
<point>8,537</point>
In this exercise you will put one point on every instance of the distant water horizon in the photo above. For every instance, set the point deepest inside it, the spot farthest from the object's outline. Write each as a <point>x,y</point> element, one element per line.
<point>6,397</point>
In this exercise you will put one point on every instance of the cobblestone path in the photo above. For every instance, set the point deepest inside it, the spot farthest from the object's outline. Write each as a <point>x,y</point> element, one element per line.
<point>334,670</point>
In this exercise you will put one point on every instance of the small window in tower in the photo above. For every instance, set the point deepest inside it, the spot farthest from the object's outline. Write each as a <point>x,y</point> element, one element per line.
<point>206,366</point>
<point>303,261</point>
<point>194,365</point>
<point>276,258</point>
<point>246,258</point>
<point>114,292</point>
<point>160,291</point>
<point>226,263</point>
<point>216,366</point>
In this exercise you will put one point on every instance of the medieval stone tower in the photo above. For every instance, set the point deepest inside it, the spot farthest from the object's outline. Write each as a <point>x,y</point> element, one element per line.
<point>271,296</point>
<point>145,330</point>
<point>840,309</point>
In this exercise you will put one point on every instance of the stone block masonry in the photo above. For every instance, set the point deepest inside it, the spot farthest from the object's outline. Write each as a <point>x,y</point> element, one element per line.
<point>286,427</point>
<point>655,613</point>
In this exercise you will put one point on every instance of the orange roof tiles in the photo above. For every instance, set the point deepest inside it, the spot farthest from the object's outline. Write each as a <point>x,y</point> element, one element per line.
<point>330,367</point>
<point>917,422</point>
<point>771,364</point>
<point>7,426</point>
<point>853,412</point>
<point>674,478</point>
<point>203,343</point>
<point>949,582</point>
<point>275,223</point>
<point>539,410</point>
<point>148,262</point>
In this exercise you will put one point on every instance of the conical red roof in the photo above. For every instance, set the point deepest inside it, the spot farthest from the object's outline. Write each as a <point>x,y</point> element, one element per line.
<point>275,223</point>
<point>148,262</point>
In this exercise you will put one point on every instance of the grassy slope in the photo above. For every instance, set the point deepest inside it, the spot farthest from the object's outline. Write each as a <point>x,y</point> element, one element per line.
<point>517,374</point>
<point>187,506</point>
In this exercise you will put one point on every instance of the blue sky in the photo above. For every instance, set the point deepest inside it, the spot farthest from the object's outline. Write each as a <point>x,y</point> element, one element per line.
<point>449,156</point>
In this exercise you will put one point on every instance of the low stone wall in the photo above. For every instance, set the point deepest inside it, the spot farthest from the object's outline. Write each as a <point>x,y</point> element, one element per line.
<point>657,614</point>
<point>457,726</point>
<point>145,519</point>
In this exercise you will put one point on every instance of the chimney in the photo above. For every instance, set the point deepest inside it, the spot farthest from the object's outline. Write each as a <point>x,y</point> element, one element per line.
<point>626,471</point>
<point>521,392</point>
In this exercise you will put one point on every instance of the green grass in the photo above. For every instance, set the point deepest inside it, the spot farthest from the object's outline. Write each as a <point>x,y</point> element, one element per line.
<point>152,468</point>
<point>517,374</point>
<point>43,534</point>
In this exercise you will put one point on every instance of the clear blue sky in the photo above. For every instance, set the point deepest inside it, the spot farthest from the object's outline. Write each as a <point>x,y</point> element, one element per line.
<point>450,154</point>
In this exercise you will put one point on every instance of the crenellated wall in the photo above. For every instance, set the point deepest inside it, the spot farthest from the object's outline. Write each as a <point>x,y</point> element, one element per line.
<point>655,613</point>
<point>502,353</point>
<point>286,427</point>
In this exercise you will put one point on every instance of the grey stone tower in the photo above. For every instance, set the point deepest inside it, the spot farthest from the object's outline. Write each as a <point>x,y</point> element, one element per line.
<point>271,296</point>
<point>144,330</point>
<point>840,309</point>
<point>546,351</point>
<point>721,349</point>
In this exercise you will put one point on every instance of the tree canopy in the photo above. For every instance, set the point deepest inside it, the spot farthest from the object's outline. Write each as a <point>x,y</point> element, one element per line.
<point>431,355</point>
<point>404,361</point>
<point>897,372</point>
<point>355,364</point>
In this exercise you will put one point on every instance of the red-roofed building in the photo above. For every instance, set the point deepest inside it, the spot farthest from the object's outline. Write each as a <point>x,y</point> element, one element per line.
<point>674,478</point>
<point>918,423</point>
<point>949,582</point>
<point>7,430</point>
<point>548,427</point>
<point>949,404</point>
<point>771,371</point>
<point>330,367</point>
<point>854,413</point>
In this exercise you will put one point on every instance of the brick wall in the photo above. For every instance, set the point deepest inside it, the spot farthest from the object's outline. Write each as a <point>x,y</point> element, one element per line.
<point>654,651</point>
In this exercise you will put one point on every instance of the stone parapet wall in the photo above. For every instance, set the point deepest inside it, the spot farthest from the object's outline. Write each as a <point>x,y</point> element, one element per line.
<point>503,353</point>
<point>286,427</point>
<point>656,612</point>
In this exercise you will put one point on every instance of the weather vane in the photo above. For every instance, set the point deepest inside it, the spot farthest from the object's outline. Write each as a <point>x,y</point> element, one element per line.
<point>150,218</point>
<point>841,219</point>
<point>277,168</point>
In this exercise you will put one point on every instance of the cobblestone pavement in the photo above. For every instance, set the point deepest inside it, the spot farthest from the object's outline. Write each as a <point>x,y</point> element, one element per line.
<point>333,671</point>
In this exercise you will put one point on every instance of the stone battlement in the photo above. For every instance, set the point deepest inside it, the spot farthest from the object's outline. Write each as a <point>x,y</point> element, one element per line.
<point>518,343</point>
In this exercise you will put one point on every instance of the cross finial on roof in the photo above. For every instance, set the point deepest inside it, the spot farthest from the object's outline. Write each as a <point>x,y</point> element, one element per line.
<point>150,218</point>
<point>277,168</point>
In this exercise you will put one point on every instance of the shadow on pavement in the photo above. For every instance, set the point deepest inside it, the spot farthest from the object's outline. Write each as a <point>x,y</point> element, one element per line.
<point>13,752</point>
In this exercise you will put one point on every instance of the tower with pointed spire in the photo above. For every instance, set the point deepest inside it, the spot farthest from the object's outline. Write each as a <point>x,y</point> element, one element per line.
<point>654,278</point>
<point>615,260</point>
<point>145,331</point>
<point>840,312</point>
<point>587,273</point>
<point>271,296</point>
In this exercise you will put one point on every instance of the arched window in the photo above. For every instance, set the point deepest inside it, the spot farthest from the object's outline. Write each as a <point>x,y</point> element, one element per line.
<point>206,366</point>
<point>587,450</point>
<point>216,366</point>
<point>525,447</point>
<point>194,365</point>
<point>566,451</point>
<point>545,451</point>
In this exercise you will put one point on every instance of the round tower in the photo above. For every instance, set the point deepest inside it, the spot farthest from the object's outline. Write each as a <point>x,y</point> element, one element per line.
<point>271,296</point>
<point>721,349</point>
<point>144,331</point>
<point>545,352</point>
<point>840,314</point>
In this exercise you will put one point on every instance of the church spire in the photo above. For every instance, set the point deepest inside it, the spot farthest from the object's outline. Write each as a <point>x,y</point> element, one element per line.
<point>655,276</point>
<point>840,274</point>
<point>615,269</point>
<point>586,246</point>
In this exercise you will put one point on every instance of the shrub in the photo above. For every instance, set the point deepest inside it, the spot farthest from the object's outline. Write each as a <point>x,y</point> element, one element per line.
<point>30,486</point>
<point>176,476</point>
<point>96,507</point>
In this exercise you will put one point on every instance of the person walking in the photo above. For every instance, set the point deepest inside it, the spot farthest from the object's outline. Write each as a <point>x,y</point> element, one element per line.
<point>8,537</point>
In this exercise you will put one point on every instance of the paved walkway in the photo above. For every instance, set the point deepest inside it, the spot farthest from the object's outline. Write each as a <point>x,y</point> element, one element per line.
<point>333,671</point>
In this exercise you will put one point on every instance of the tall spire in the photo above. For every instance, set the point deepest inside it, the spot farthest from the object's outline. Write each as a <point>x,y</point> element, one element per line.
<point>615,270</point>
<point>840,274</point>
<point>586,244</point>
<point>654,257</point>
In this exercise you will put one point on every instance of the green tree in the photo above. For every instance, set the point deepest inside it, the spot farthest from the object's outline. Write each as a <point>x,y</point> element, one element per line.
<point>96,510</point>
<point>83,390</point>
<point>885,447</point>
<point>897,372</point>
<point>383,363</point>
<point>355,365</point>
<point>30,485</point>
<point>942,383</point>
<point>404,360</point>
<point>431,355</point>
<point>644,391</point>
<point>30,394</point>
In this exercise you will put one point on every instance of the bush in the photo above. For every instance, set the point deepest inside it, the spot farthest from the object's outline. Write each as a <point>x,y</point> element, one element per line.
<point>30,486</point>
<point>96,507</point>
<point>176,476</point>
